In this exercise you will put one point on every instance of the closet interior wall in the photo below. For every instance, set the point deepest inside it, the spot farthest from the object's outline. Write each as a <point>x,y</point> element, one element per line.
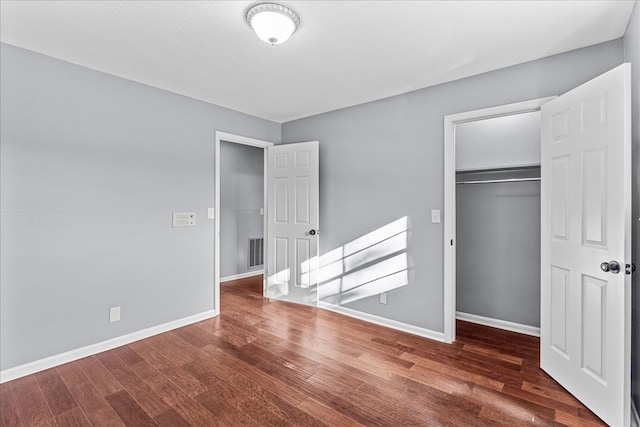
<point>498,250</point>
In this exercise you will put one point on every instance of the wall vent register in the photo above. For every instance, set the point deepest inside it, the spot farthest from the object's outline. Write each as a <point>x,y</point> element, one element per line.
<point>256,252</point>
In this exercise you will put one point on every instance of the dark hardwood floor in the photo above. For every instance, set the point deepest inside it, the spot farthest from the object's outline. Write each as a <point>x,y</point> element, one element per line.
<point>268,363</point>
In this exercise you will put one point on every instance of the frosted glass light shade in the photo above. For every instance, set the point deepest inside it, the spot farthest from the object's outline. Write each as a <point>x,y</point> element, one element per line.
<point>273,23</point>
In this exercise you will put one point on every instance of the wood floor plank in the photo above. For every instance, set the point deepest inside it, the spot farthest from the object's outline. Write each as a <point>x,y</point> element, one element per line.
<point>210,325</point>
<point>555,394</point>
<point>128,355</point>
<point>128,410</point>
<point>575,421</point>
<point>427,365</point>
<point>262,414</point>
<point>237,366</point>
<point>264,362</point>
<point>290,413</point>
<point>224,414</point>
<point>513,417</point>
<point>512,407</point>
<point>159,383</point>
<point>171,419</point>
<point>348,366</point>
<point>385,366</point>
<point>150,401</point>
<point>155,358</point>
<point>55,392</point>
<point>423,399</point>
<point>174,350</point>
<point>31,404</point>
<point>8,408</point>
<point>183,380</point>
<point>383,411</point>
<point>95,407</point>
<point>195,336</point>
<point>195,413</point>
<point>492,354</point>
<point>73,418</point>
<point>440,381</point>
<point>104,382</point>
<point>329,416</point>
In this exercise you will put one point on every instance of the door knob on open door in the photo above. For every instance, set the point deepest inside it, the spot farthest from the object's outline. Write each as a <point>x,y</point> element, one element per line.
<point>312,232</point>
<point>611,266</point>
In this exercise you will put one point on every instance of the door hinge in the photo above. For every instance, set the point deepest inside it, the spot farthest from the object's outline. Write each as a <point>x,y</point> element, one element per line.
<point>451,242</point>
<point>629,268</point>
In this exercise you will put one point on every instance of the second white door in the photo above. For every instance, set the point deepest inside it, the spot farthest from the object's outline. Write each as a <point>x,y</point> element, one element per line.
<point>292,222</point>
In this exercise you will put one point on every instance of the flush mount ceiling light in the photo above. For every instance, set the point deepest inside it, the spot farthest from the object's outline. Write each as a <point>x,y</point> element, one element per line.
<point>273,23</point>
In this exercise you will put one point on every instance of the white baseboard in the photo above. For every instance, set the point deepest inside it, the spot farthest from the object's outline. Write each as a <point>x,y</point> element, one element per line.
<point>501,324</point>
<point>393,324</point>
<point>79,353</point>
<point>635,418</point>
<point>242,276</point>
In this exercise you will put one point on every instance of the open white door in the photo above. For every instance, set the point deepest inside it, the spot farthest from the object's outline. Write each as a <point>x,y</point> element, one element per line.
<point>292,222</point>
<point>586,243</point>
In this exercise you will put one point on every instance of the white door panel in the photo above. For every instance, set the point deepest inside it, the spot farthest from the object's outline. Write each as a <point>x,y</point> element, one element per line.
<point>292,247</point>
<point>586,220</point>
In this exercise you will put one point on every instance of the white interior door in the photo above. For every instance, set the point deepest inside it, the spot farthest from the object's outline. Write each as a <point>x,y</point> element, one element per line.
<point>586,229</point>
<point>292,222</point>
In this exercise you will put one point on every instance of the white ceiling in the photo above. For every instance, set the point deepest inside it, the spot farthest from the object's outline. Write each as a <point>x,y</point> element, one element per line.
<point>344,53</point>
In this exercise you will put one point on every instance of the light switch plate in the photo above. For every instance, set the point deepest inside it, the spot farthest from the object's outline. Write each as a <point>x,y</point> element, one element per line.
<point>435,216</point>
<point>184,219</point>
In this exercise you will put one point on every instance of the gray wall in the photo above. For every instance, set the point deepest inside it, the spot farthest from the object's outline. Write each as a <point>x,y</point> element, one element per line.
<point>241,197</point>
<point>499,142</point>
<point>632,54</point>
<point>383,160</point>
<point>91,168</point>
<point>498,251</point>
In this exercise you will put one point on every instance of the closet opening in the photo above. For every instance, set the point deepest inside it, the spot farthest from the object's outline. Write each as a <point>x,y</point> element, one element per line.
<point>492,218</point>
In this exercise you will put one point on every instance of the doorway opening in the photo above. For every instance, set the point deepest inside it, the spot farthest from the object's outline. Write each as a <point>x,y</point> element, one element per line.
<point>477,167</point>
<point>240,210</point>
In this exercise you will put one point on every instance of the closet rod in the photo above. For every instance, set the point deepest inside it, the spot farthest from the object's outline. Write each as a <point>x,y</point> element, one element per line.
<point>491,181</point>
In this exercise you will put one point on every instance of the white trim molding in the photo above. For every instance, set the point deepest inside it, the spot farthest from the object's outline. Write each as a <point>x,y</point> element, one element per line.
<point>78,353</point>
<point>449,215</point>
<point>241,276</point>
<point>500,324</point>
<point>393,324</point>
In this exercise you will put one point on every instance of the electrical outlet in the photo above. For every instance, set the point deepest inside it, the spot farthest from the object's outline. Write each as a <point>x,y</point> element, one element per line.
<point>383,298</point>
<point>114,314</point>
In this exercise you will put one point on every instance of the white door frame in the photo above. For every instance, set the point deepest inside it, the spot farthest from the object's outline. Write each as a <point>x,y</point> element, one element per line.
<point>237,139</point>
<point>449,222</point>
